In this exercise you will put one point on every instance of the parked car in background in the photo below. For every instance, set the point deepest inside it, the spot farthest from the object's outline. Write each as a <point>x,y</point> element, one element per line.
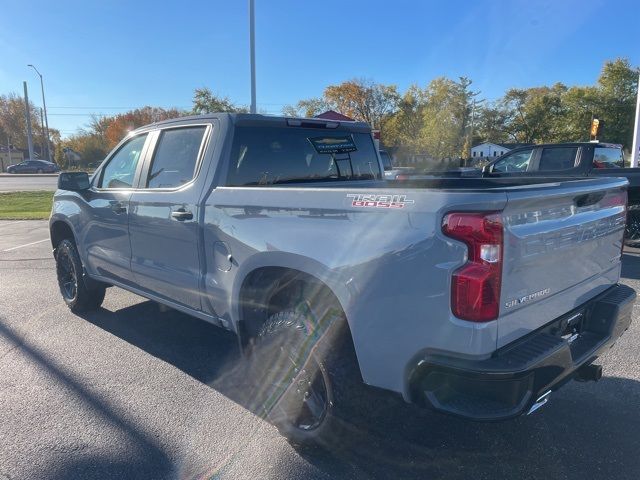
<point>579,159</point>
<point>33,166</point>
<point>476,297</point>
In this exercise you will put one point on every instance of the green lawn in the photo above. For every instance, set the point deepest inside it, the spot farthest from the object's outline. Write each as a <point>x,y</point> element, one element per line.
<point>25,205</point>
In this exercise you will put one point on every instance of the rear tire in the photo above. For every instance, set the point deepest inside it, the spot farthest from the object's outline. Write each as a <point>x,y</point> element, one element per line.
<point>78,296</point>
<point>306,371</point>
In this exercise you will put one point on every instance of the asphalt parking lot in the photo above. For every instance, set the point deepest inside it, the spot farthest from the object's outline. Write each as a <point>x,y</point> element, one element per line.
<point>134,392</point>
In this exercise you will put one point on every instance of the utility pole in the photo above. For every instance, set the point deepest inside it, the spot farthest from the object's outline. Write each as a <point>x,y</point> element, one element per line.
<point>2,166</point>
<point>252,52</point>
<point>44,138</point>
<point>28,117</point>
<point>635,150</point>
<point>46,118</point>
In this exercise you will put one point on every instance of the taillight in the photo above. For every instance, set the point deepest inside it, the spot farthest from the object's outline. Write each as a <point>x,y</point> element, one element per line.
<point>475,287</point>
<point>614,199</point>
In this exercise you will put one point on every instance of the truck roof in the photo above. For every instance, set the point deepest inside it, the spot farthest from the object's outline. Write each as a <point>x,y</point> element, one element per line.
<point>567,144</point>
<point>257,119</point>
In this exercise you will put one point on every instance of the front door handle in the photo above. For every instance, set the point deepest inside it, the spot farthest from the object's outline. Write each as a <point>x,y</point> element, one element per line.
<point>118,208</point>
<point>181,215</point>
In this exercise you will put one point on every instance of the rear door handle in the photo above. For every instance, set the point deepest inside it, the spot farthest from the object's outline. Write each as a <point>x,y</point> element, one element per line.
<point>118,207</point>
<point>181,215</point>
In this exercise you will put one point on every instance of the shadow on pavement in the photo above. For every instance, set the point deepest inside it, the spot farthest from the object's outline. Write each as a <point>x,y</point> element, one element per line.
<point>587,430</point>
<point>631,266</point>
<point>152,460</point>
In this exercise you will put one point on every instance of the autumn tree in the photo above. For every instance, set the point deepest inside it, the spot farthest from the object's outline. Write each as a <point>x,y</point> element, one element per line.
<point>308,108</point>
<point>13,127</point>
<point>562,114</point>
<point>205,101</point>
<point>12,120</point>
<point>618,90</point>
<point>115,128</point>
<point>445,117</point>
<point>580,106</point>
<point>92,147</point>
<point>535,115</point>
<point>403,128</point>
<point>489,124</point>
<point>363,100</point>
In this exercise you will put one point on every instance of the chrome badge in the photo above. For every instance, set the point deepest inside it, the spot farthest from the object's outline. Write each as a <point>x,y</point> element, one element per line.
<point>527,298</point>
<point>379,201</point>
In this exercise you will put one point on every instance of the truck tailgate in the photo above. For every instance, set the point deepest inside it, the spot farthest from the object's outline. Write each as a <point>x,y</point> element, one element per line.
<point>562,246</point>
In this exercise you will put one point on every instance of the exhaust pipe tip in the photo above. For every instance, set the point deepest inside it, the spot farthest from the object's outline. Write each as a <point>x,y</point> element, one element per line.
<point>540,402</point>
<point>589,373</point>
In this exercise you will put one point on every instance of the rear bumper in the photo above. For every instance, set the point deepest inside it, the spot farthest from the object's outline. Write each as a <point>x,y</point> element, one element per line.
<point>509,383</point>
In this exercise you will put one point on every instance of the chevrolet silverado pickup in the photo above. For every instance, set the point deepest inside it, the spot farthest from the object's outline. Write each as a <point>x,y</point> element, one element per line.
<point>476,297</point>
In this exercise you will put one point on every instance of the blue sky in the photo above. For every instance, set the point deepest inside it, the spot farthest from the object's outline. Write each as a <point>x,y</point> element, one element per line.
<point>111,56</point>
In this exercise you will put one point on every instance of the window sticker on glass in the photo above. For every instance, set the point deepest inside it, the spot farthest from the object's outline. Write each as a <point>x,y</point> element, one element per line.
<point>333,144</point>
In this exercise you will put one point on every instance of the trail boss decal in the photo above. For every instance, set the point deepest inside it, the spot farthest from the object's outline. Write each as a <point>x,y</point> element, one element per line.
<point>378,201</point>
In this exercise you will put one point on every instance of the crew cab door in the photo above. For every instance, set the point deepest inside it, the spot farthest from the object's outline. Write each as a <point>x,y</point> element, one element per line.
<point>107,233</point>
<point>558,160</point>
<point>163,224</point>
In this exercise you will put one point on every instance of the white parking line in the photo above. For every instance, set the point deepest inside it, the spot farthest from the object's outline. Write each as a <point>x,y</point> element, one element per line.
<point>25,245</point>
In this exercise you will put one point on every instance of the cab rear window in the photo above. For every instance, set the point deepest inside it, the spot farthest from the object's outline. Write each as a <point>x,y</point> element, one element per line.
<point>608,157</point>
<point>276,155</point>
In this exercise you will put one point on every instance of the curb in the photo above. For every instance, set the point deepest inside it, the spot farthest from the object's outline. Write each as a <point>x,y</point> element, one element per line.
<point>35,175</point>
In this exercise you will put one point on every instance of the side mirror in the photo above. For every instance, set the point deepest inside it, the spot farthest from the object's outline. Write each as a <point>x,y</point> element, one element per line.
<point>486,169</point>
<point>74,181</point>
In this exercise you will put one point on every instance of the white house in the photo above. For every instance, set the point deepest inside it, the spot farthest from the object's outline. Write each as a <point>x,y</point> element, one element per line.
<point>491,150</point>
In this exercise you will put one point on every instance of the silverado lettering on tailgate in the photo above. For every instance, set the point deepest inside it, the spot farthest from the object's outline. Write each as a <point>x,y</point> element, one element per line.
<point>545,242</point>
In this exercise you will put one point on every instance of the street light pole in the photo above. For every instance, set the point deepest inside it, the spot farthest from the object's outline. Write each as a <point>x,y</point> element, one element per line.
<point>252,50</point>
<point>44,106</point>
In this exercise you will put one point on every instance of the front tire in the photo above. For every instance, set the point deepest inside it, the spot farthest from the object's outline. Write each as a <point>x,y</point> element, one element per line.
<point>78,296</point>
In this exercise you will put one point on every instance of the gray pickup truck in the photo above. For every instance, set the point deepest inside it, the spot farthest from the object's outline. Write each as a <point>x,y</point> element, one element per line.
<point>476,297</point>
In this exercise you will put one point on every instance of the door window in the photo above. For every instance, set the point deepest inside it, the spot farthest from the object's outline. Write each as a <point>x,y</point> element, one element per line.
<point>515,162</point>
<point>558,158</point>
<point>176,156</point>
<point>121,169</point>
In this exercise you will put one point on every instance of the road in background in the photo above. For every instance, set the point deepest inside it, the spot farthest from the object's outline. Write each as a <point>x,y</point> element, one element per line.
<point>16,183</point>
<point>134,392</point>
